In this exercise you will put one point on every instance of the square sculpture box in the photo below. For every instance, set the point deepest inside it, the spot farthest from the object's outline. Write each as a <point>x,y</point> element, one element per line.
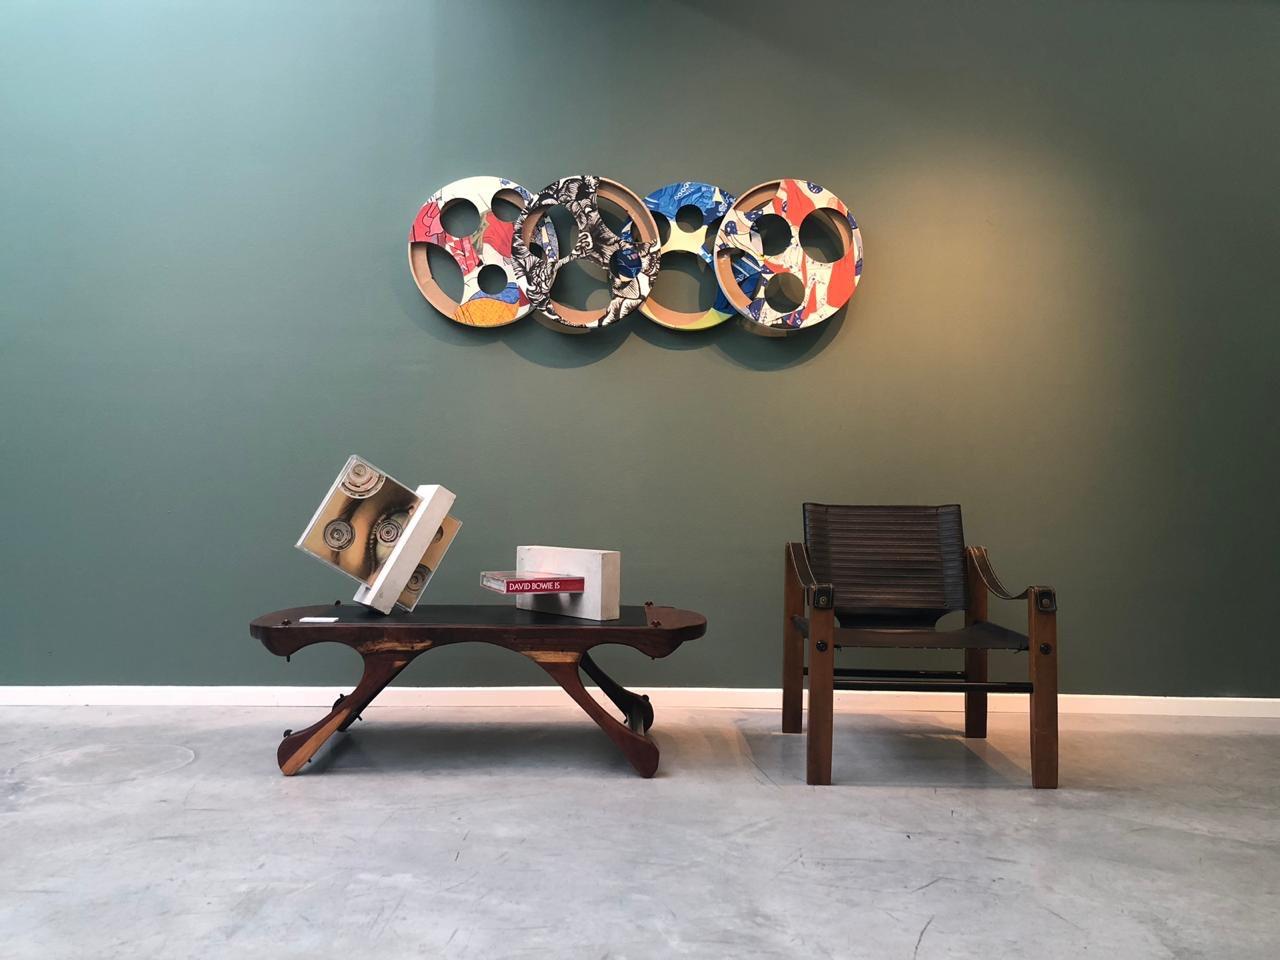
<point>601,569</point>
<point>386,537</point>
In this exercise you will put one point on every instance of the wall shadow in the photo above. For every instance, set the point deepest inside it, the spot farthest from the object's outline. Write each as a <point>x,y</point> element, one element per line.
<point>416,308</point>
<point>668,339</point>
<point>755,352</point>
<point>539,340</point>
<point>531,339</point>
<point>548,347</point>
<point>526,337</point>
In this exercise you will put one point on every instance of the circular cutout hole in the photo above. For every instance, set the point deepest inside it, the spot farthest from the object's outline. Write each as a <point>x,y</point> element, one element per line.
<point>625,263</point>
<point>565,227</point>
<point>774,233</point>
<point>539,233</point>
<point>709,241</point>
<point>745,271</point>
<point>582,285</point>
<point>821,236</point>
<point>784,292</point>
<point>689,218</point>
<point>492,279</point>
<point>685,284</point>
<point>628,231</point>
<point>507,205</point>
<point>460,218</point>
<point>614,217</point>
<point>445,271</point>
<point>664,228</point>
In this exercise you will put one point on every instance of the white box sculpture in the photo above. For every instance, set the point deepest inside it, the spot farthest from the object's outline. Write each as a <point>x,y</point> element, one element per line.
<point>601,569</point>
<point>380,533</point>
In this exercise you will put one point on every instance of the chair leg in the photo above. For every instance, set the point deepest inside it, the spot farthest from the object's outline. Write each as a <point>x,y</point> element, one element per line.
<point>821,695</point>
<point>792,649</point>
<point>975,661</point>
<point>975,703</point>
<point>1043,654</point>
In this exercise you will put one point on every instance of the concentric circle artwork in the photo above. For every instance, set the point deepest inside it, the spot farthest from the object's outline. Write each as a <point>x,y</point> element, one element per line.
<point>388,531</point>
<point>712,203</point>
<point>361,479</point>
<point>488,245</point>
<point>818,288</point>
<point>338,534</point>
<point>631,263</point>
<point>418,579</point>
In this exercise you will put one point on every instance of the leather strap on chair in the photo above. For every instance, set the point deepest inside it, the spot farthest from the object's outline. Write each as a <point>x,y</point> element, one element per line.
<point>820,596</point>
<point>1046,599</point>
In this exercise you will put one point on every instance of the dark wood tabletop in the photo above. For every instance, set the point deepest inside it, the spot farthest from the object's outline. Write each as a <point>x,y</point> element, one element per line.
<point>655,631</point>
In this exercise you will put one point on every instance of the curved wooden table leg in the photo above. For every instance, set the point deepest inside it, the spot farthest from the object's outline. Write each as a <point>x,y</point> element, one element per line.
<point>297,748</point>
<point>635,706</point>
<point>563,668</point>
<point>360,704</point>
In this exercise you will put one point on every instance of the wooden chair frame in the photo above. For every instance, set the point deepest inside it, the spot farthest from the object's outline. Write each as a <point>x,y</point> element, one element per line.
<point>810,633</point>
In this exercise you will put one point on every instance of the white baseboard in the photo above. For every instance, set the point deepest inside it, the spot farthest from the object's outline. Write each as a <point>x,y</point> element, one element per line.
<point>732,698</point>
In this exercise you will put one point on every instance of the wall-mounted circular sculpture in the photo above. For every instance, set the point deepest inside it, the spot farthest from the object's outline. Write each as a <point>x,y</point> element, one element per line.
<point>489,245</point>
<point>818,287</point>
<point>631,263</point>
<point>712,203</point>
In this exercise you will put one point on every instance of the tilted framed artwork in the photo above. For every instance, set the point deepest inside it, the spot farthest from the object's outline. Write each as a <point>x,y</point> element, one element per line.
<point>378,532</point>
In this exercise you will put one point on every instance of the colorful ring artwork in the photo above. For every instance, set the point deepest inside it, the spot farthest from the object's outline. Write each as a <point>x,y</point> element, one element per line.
<point>750,281</point>
<point>826,287</point>
<point>488,245</point>
<point>712,203</point>
<point>631,264</point>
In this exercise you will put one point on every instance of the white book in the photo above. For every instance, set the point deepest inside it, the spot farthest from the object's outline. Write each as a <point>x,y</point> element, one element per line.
<point>601,571</point>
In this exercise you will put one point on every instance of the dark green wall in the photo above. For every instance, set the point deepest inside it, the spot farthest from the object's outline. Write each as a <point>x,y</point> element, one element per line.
<point>1067,322</point>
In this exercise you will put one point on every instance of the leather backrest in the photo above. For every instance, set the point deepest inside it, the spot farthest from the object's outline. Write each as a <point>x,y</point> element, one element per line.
<point>891,566</point>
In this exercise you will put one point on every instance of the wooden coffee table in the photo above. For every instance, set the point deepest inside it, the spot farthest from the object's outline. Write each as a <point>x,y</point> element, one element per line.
<point>558,644</point>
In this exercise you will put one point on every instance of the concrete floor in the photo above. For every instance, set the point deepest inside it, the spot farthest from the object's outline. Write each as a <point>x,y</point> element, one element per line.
<point>468,832</point>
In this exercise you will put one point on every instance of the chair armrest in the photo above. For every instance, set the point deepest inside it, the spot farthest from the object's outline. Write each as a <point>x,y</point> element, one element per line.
<point>820,596</point>
<point>1046,600</point>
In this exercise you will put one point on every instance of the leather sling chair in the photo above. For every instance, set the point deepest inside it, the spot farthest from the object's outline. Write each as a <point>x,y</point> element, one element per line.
<point>882,577</point>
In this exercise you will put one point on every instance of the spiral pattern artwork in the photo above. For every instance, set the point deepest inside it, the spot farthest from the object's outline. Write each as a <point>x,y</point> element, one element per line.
<point>338,534</point>
<point>361,479</point>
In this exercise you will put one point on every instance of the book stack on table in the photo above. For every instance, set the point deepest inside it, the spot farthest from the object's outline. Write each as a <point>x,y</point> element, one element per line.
<point>565,581</point>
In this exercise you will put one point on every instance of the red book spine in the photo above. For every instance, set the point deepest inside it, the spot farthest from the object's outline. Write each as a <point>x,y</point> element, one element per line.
<point>557,585</point>
<point>510,582</point>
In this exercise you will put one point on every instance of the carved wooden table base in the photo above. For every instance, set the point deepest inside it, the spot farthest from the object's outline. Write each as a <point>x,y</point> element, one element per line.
<point>560,645</point>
